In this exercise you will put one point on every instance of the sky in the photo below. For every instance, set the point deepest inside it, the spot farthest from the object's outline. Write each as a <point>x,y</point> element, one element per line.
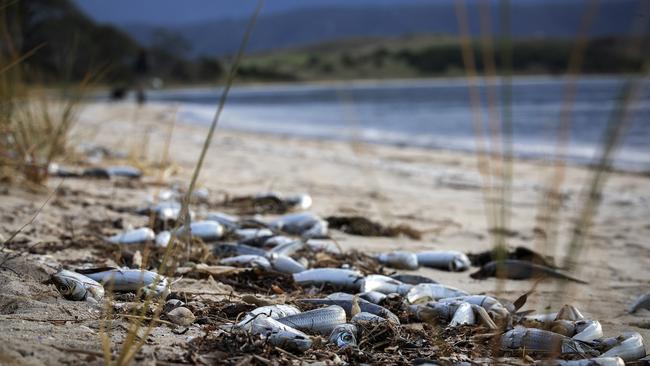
<point>169,12</point>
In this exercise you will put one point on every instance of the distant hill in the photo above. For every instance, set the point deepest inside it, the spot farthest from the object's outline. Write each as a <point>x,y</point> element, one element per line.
<point>541,19</point>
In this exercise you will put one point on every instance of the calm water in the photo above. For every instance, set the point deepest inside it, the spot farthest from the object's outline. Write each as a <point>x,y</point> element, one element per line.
<point>429,113</point>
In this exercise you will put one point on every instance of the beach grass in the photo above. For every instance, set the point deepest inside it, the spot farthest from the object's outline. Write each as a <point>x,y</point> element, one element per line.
<point>138,333</point>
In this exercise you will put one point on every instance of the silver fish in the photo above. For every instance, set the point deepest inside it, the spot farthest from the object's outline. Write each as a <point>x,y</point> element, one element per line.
<point>322,320</point>
<point>344,335</point>
<point>284,245</point>
<point>205,230</point>
<point>279,334</point>
<point>446,260</point>
<point>271,311</point>
<point>364,306</point>
<point>124,171</point>
<point>344,278</point>
<point>399,260</point>
<point>230,222</point>
<point>162,239</point>
<point>425,292</point>
<point>642,302</point>
<point>305,224</point>
<point>252,233</point>
<point>342,296</point>
<point>588,330</point>
<point>136,236</point>
<point>599,361</point>
<point>366,317</point>
<point>542,318</point>
<point>75,286</point>
<point>232,249</point>
<point>127,280</point>
<point>300,202</point>
<point>488,303</point>
<point>284,264</point>
<point>434,312</point>
<point>384,284</point>
<point>247,260</point>
<point>373,297</point>
<point>630,347</point>
<point>167,210</point>
<point>538,340</point>
<point>464,315</point>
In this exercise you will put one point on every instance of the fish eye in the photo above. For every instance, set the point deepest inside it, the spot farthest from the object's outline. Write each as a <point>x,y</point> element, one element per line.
<point>63,288</point>
<point>346,337</point>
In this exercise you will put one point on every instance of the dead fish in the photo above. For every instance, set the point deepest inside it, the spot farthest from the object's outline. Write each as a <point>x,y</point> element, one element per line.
<point>113,171</point>
<point>488,303</point>
<point>373,297</point>
<point>630,347</point>
<point>519,253</point>
<point>412,279</point>
<point>136,236</point>
<point>304,224</point>
<point>232,249</point>
<point>344,278</point>
<point>366,317</point>
<point>322,320</point>
<point>252,233</point>
<point>384,284</point>
<point>426,292</point>
<point>642,302</point>
<point>448,260</point>
<point>271,311</point>
<point>364,306</point>
<point>434,312</point>
<point>300,202</point>
<point>538,340</point>
<point>77,287</point>
<point>284,245</point>
<point>163,238</point>
<point>284,264</point>
<point>164,211</point>
<point>247,260</point>
<point>279,334</point>
<point>230,222</point>
<point>205,230</point>
<point>520,270</point>
<point>399,260</point>
<point>129,280</point>
<point>599,361</point>
<point>587,330</point>
<point>344,335</point>
<point>563,327</point>
<point>464,315</point>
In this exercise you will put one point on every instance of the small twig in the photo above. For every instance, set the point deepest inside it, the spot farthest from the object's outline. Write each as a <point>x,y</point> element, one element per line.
<point>46,320</point>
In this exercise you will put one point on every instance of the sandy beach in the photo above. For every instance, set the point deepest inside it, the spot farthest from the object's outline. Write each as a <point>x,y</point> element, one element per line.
<point>437,192</point>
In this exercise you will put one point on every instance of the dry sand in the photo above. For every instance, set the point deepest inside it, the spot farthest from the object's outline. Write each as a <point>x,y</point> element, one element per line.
<point>435,191</point>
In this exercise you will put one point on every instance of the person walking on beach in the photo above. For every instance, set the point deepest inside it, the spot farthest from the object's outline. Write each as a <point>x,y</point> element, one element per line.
<point>141,69</point>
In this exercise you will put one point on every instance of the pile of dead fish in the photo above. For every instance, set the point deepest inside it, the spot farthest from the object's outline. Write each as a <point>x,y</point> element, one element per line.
<point>354,298</point>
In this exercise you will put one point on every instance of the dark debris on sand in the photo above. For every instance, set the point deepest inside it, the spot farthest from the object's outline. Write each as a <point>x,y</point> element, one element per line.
<point>361,226</point>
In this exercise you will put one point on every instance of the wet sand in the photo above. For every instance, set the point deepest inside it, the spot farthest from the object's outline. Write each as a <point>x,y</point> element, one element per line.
<point>437,192</point>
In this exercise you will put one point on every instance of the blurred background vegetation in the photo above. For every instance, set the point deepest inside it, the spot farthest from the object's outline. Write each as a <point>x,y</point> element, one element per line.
<point>72,44</point>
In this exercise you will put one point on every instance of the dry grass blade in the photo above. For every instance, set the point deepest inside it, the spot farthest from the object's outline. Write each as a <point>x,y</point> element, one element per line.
<point>483,163</point>
<point>130,346</point>
<point>549,213</point>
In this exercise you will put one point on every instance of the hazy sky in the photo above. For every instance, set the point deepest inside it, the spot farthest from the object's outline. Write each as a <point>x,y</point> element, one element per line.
<point>166,12</point>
